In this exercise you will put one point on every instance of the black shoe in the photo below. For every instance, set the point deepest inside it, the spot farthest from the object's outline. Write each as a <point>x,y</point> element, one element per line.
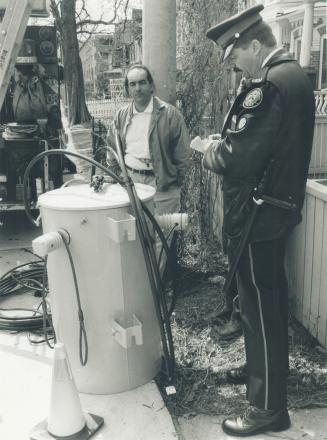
<point>231,329</point>
<point>238,375</point>
<point>256,421</point>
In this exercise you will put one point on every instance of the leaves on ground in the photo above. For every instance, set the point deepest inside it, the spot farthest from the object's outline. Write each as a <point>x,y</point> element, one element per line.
<point>202,360</point>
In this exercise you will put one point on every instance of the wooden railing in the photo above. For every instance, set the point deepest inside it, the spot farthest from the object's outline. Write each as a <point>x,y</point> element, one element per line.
<point>321,102</point>
<point>105,109</point>
<point>318,164</point>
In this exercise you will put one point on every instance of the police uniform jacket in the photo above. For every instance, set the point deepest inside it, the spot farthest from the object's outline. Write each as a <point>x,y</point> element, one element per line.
<point>272,118</point>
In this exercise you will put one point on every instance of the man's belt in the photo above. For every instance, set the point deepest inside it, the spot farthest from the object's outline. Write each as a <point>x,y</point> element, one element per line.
<point>143,172</point>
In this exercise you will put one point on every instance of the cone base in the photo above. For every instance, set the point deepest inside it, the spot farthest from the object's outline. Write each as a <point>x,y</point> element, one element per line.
<point>93,424</point>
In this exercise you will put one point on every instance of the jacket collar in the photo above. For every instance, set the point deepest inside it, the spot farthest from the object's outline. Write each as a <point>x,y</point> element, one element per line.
<point>273,53</point>
<point>278,58</point>
<point>158,105</point>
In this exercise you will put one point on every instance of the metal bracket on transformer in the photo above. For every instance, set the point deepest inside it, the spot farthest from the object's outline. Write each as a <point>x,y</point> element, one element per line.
<point>124,336</point>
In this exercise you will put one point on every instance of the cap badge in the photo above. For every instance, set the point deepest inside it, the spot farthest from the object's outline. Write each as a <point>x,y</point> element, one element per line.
<point>253,98</point>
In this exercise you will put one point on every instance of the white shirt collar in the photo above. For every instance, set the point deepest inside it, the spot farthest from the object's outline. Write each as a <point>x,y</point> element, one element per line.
<point>148,109</point>
<point>268,57</point>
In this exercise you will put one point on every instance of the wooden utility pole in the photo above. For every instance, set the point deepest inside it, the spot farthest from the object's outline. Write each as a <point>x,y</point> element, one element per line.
<point>159,45</point>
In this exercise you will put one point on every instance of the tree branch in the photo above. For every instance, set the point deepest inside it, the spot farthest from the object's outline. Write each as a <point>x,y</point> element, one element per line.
<point>54,7</point>
<point>89,21</point>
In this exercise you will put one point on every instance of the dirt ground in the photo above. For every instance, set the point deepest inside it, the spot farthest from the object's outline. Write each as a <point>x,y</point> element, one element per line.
<point>202,360</point>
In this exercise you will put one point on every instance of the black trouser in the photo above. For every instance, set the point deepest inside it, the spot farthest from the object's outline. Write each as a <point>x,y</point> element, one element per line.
<point>231,296</point>
<point>263,297</point>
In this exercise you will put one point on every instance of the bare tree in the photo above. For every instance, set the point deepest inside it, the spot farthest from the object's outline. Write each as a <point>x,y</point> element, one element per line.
<point>203,94</point>
<point>70,24</point>
<point>86,26</point>
<point>202,82</point>
<point>65,17</point>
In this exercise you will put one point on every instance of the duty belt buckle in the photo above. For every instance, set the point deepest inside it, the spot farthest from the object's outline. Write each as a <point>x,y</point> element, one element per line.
<point>258,202</point>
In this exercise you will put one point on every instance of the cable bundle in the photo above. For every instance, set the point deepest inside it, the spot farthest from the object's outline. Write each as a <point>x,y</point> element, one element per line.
<point>27,277</point>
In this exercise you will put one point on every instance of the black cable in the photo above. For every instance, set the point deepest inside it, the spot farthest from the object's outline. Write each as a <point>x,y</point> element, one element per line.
<point>156,226</point>
<point>167,238</point>
<point>173,299</point>
<point>151,264</point>
<point>46,317</point>
<point>56,152</point>
<point>82,331</point>
<point>33,253</point>
<point>10,283</point>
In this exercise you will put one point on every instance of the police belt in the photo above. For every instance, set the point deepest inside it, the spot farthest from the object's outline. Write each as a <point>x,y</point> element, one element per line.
<point>274,202</point>
<point>259,198</point>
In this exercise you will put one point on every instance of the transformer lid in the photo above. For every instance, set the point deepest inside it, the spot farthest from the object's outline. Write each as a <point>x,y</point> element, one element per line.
<point>83,197</point>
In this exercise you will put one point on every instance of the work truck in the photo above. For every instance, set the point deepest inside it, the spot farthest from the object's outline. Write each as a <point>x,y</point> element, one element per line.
<point>30,118</point>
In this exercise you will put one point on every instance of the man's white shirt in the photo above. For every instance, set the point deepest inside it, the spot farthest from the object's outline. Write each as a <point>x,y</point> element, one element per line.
<point>137,153</point>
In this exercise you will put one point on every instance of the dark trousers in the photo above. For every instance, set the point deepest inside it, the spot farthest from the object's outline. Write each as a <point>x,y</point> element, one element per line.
<point>231,295</point>
<point>263,297</point>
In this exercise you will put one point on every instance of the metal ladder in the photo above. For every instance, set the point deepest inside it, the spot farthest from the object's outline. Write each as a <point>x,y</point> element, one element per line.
<point>12,30</point>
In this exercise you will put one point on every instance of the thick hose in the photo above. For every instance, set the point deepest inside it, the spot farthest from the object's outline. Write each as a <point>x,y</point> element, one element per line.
<point>152,266</point>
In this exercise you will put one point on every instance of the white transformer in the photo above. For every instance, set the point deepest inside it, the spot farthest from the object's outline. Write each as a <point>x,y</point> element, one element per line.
<point>120,320</point>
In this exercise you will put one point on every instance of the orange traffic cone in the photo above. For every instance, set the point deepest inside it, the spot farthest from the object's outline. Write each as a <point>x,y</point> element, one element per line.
<point>66,419</point>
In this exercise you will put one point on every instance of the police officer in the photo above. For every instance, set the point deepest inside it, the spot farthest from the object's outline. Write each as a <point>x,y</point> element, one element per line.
<point>270,126</point>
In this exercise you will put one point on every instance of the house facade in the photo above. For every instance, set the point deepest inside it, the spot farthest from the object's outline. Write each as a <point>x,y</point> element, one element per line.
<point>106,57</point>
<point>300,26</point>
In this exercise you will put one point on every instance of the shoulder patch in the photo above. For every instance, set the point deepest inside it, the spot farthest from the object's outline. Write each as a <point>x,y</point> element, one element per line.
<point>253,98</point>
<point>257,80</point>
<point>241,124</point>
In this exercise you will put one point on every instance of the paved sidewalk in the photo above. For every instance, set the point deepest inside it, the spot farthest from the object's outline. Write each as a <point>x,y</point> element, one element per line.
<point>306,425</point>
<point>26,371</point>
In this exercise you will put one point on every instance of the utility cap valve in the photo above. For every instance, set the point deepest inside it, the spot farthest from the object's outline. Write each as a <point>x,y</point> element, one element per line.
<point>49,242</point>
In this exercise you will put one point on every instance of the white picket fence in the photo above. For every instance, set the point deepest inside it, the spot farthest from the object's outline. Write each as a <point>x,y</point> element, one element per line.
<point>306,263</point>
<point>105,109</point>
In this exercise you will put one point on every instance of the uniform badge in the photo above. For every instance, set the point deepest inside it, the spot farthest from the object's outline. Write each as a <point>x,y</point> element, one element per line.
<point>253,98</point>
<point>256,80</point>
<point>241,124</point>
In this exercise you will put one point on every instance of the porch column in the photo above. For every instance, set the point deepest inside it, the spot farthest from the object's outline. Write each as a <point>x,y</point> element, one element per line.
<point>159,45</point>
<point>306,40</point>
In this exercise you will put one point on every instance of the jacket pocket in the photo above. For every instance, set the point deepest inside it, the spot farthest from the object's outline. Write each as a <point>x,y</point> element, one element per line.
<point>237,208</point>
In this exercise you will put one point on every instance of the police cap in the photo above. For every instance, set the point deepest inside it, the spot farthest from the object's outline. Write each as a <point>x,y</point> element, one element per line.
<point>226,33</point>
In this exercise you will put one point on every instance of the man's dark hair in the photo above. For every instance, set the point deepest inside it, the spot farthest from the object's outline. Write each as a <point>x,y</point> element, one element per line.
<point>259,31</point>
<point>138,66</point>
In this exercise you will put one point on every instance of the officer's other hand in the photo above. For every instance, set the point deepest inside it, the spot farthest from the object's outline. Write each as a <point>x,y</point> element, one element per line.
<point>214,137</point>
